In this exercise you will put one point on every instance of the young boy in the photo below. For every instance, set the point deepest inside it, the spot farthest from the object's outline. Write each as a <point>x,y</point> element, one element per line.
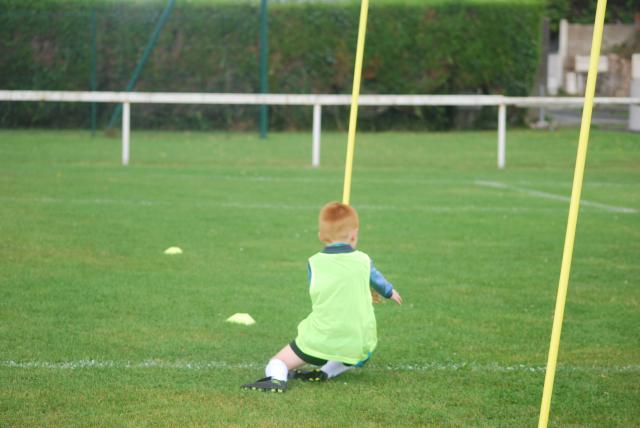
<point>340,332</point>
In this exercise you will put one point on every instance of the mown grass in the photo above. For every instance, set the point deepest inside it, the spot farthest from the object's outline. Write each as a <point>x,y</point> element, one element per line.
<point>83,278</point>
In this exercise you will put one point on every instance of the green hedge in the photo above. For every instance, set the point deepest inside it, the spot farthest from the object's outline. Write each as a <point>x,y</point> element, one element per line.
<point>446,48</point>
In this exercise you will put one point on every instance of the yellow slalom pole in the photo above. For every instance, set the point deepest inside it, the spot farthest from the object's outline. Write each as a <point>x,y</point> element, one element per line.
<point>353,117</point>
<point>573,214</point>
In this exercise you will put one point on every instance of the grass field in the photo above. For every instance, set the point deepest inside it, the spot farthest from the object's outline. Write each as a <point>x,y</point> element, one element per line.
<point>99,327</point>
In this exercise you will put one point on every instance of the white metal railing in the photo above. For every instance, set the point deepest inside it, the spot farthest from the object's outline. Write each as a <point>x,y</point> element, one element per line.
<point>317,101</point>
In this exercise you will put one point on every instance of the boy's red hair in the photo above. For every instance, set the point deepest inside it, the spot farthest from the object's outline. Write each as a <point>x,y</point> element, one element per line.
<point>336,222</point>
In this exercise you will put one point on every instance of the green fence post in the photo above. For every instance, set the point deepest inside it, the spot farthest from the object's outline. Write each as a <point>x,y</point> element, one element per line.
<point>143,60</point>
<point>264,56</point>
<point>94,80</point>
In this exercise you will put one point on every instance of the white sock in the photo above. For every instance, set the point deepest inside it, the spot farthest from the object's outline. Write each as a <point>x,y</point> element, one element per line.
<point>277,369</point>
<point>335,368</point>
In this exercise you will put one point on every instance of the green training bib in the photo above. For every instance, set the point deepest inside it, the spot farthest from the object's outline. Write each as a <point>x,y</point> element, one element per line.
<point>342,325</point>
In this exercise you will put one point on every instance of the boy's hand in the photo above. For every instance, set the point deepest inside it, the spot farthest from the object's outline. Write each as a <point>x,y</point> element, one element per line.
<point>395,296</point>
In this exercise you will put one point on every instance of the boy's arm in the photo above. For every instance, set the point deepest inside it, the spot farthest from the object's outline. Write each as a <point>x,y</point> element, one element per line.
<point>379,283</point>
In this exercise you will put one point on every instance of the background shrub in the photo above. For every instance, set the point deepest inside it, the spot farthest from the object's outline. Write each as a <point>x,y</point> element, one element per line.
<point>413,48</point>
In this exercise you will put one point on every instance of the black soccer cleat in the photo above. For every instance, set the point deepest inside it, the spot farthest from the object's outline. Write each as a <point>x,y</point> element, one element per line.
<point>267,384</point>
<point>315,375</point>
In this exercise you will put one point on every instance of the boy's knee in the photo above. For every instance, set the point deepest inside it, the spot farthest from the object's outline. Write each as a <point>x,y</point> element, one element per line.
<point>289,358</point>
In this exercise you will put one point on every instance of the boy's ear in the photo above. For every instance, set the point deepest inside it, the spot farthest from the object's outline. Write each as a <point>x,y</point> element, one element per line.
<point>322,238</point>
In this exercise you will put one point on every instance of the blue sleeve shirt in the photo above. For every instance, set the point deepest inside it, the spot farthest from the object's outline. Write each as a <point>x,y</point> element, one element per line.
<point>377,281</point>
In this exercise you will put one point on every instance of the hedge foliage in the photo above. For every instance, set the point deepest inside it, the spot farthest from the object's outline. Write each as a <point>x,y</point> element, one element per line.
<point>447,48</point>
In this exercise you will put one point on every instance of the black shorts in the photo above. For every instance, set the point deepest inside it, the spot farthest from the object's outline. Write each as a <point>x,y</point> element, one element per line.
<point>309,359</point>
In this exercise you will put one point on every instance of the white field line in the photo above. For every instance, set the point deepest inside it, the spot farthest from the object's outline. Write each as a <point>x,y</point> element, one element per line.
<point>83,201</point>
<point>275,206</point>
<point>406,181</point>
<point>545,195</point>
<point>374,207</point>
<point>426,209</point>
<point>379,180</point>
<point>222,365</point>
